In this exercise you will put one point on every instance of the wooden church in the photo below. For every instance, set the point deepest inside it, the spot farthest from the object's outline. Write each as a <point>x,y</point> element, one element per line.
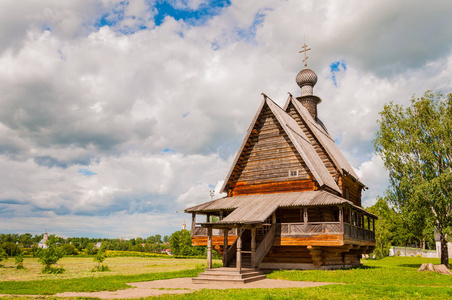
<point>293,201</point>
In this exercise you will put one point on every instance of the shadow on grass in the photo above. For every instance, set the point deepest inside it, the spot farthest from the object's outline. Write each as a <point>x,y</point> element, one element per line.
<point>364,267</point>
<point>415,266</point>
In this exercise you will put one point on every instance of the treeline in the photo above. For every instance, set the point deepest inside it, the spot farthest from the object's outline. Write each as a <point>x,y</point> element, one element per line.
<point>179,244</point>
<point>14,244</point>
<point>397,229</point>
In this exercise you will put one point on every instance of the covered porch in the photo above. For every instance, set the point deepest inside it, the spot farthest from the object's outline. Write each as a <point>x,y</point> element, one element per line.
<point>315,222</point>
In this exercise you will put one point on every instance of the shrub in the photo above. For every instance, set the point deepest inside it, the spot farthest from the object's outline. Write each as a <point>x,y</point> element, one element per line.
<point>3,255</point>
<point>99,258</point>
<point>20,261</point>
<point>48,257</point>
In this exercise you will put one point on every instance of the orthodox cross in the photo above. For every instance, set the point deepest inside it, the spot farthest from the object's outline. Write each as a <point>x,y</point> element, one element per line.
<point>305,49</point>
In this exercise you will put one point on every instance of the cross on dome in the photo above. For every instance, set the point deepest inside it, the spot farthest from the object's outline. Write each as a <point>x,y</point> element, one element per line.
<point>305,49</point>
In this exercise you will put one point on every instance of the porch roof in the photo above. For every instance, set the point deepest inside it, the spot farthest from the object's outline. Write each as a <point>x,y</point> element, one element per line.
<point>257,208</point>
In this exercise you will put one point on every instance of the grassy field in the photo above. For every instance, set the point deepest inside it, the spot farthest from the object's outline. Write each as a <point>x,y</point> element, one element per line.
<point>389,278</point>
<point>79,267</point>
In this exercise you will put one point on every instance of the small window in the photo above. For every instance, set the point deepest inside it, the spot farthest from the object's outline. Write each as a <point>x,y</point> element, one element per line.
<point>347,194</point>
<point>293,173</point>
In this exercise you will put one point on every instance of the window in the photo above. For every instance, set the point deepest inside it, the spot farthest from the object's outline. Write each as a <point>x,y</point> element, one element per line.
<point>293,173</point>
<point>347,194</point>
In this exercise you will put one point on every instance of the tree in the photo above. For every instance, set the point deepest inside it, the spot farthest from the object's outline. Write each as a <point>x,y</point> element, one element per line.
<point>3,255</point>
<point>19,259</point>
<point>384,227</point>
<point>26,239</point>
<point>48,257</point>
<point>416,147</point>
<point>99,258</point>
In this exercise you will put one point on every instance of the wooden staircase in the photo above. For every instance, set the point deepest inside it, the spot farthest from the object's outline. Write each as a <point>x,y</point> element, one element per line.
<point>229,275</point>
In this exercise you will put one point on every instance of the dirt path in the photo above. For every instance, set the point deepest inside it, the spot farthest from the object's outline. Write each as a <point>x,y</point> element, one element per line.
<point>185,285</point>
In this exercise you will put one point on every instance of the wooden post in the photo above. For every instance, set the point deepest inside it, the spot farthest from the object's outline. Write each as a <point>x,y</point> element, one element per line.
<point>305,215</point>
<point>239,248</point>
<point>221,215</point>
<point>373,225</point>
<point>225,247</point>
<point>193,221</point>
<point>341,217</point>
<point>274,218</point>
<point>209,248</point>
<point>207,218</point>
<point>253,246</point>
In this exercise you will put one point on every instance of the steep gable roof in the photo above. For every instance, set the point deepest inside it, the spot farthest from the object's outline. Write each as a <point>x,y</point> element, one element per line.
<point>324,138</point>
<point>298,139</point>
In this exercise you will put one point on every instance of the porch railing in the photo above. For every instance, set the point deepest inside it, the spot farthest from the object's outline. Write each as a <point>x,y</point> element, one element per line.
<point>359,232</point>
<point>318,228</point>
<point>201,231</point>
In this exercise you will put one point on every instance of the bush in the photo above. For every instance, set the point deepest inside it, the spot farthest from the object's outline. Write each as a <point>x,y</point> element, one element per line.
<point>11,248</point>
<point>20,261</point>
<point>100,257</point>
<point>48,257</point>
<point>69,249</point>
<point>3,255</point>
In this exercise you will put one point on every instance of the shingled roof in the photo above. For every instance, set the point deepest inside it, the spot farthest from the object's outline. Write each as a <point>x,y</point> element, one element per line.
<point>298,138</point>
<point>251,209</point>
<point>324,138</point>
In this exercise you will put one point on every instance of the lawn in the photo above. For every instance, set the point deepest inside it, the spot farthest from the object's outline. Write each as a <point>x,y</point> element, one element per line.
<point>79,267</point>
<point>389,278</point>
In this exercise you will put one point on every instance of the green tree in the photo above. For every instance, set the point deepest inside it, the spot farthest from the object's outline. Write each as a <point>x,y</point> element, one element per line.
<point>415,144</point>
<point>384,227</point>
<point>3,255</point>
<point>19,259</point>
<point>49,257</point>
<point>26,240</point>
<point>99,258</point>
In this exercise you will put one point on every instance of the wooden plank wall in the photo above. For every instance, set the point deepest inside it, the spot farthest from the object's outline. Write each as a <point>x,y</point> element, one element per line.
<point>265,162</point>
<point>291,110</point>
<point>354,190</point>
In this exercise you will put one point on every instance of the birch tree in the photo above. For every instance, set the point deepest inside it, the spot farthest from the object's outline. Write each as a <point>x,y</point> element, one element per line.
<point>415,144</point>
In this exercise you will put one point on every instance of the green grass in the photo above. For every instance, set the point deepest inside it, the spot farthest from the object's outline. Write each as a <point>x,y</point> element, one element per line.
<point>77,267</point>
<point>324,292</point>
<point>86,284</point>
<point>398,271</point>
<point>389,278</point>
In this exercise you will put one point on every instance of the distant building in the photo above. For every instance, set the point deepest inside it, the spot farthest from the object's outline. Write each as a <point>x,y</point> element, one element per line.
<point>184,226</point>
<point>98,245</point>
<point>438,246</point>
<point>166,251</point>
<point>43,243</point>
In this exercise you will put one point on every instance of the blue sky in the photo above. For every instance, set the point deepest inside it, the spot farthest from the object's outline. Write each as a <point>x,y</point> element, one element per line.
<point>115,115</point>
<point>160,10</point>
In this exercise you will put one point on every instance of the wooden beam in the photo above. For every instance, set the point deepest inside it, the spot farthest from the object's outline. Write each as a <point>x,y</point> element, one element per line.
<point>225,247</point>
<point>193,221</point>
<point>253,246</point>
<point>239,248</point>
<point>209,248</point>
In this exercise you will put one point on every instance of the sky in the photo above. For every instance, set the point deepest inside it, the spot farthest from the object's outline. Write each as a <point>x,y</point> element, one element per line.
<point>117,115</point>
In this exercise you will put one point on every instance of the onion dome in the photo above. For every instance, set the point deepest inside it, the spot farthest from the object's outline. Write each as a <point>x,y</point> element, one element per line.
<point>306,77</point>
<point>306,80</point>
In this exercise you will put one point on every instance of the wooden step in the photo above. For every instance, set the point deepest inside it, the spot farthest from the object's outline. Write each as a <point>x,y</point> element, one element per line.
<point>231,275</point>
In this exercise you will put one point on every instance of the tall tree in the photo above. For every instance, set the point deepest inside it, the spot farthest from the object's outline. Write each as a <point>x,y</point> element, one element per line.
<point>415,144</point>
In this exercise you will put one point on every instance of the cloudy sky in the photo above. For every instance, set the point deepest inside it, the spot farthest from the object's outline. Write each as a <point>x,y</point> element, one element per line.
<point>116,114</point>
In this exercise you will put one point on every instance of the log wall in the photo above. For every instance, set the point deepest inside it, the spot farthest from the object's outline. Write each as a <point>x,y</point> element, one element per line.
<point>266,161</point>
<point>354,189</point>
<point>291,110</point>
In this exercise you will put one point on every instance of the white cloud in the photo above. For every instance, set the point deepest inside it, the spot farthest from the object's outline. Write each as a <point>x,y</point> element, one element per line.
<point>158,113</point>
